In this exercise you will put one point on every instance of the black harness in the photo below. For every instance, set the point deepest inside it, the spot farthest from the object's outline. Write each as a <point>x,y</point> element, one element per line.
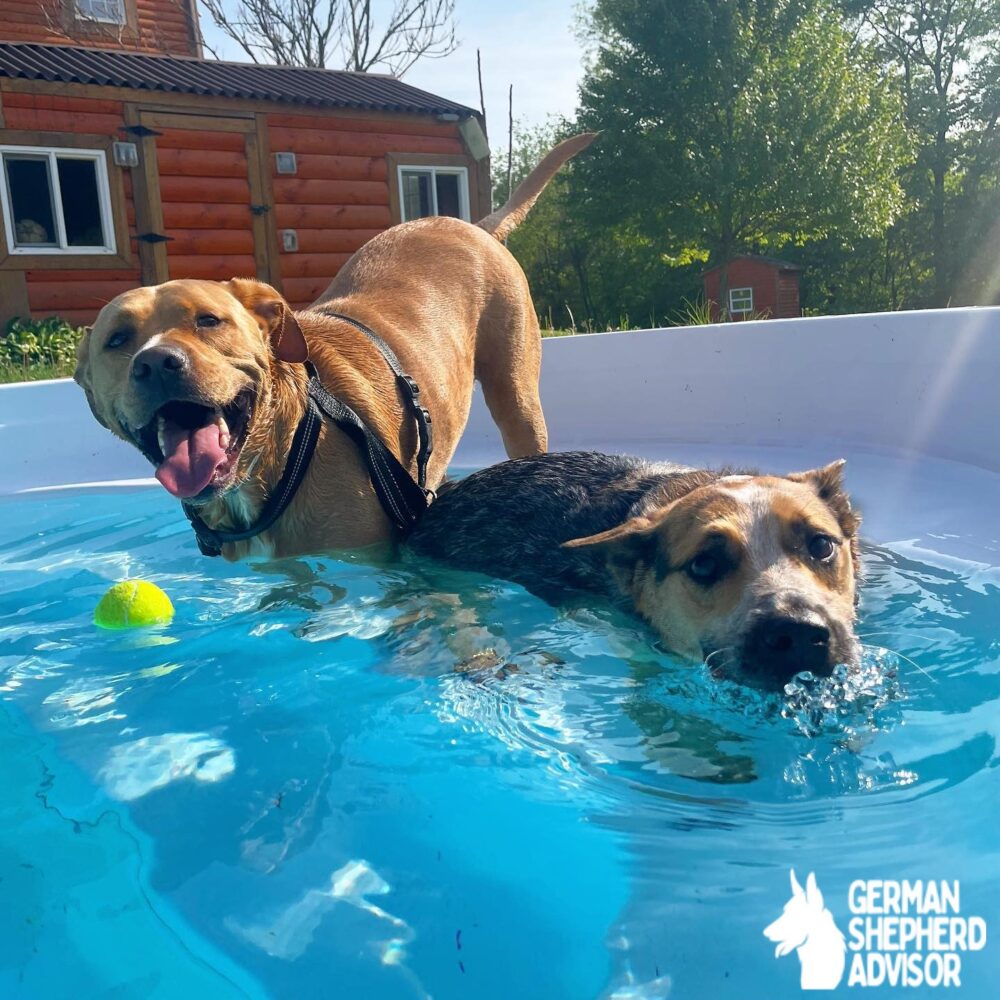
<point>403,499</point>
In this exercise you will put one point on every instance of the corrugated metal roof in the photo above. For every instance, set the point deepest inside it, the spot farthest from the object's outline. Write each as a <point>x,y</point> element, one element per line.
<point>186,75</point>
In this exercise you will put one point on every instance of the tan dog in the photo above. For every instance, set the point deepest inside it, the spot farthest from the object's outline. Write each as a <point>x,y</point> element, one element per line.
<point>755,574</point>
<point>205,378</point>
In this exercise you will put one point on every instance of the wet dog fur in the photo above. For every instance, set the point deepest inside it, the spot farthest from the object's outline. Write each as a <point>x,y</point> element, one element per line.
<point>170,363</point>
<point>755,573</point>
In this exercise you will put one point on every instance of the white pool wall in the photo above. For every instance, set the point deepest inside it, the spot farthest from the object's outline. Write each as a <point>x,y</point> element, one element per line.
<point>907,383</point>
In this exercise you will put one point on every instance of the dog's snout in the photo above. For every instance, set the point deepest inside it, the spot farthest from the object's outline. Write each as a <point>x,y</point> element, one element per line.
<point>780,646</point>
<point>163,363</point>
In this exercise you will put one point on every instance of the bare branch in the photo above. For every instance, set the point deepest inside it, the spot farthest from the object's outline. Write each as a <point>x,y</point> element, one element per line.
<point>311,32</point>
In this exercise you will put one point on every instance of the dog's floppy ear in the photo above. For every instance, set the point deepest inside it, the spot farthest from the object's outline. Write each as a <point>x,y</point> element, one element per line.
<point>82,374</point>
<point>632,539</point>
<point>636,529</point>
<point>275,317</point>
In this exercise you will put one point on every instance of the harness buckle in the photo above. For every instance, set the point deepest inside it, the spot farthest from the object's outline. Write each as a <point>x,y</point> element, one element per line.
<point>411,384</point>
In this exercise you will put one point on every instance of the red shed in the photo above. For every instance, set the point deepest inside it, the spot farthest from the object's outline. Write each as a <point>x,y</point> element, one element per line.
<point>122,165</point>
<point>759,288</point>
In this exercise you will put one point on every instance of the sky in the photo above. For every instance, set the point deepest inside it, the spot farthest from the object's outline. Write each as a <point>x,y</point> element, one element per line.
<point>528,43</point>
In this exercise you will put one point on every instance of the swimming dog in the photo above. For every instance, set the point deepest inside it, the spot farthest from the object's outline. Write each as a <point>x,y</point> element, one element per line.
<point>207,379</point>
<point>756,574</point>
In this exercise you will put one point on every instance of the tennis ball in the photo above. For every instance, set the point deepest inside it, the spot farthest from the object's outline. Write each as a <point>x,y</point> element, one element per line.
<point>133,604</point>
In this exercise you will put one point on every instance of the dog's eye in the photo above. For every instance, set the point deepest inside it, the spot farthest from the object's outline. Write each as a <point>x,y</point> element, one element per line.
<point>705,568</point>
<point>207,320</point>
<point>822,547</point>
<point>118,339</point>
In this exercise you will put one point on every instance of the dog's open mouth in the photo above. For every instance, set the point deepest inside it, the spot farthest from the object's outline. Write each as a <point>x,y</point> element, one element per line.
<point>195,447</point>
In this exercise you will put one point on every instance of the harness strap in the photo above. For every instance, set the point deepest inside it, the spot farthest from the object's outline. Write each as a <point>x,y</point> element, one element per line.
<point>403,499</point>
<point>409,388</point>
<point>210,541</point>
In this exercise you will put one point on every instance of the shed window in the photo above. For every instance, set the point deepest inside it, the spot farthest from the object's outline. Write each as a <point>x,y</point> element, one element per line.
<point>740,301</point>
<point>427,191</point>
<point>104,11</point>
<point>56,201</point>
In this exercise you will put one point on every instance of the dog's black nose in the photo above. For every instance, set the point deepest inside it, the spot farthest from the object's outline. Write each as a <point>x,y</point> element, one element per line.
<point>779,646</point>
<point>162,363</point>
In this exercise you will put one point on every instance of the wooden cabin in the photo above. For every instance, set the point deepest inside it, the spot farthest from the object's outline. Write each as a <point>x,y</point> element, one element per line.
<point>127,159</point>
<point>758,288</point>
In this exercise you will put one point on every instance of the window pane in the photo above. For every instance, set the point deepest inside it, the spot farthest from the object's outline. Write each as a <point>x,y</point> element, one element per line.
<point>81,205</point>
<point>30,200</point>
<point>447,192</point>
<point>416,194</point>
<point>741,300</point>
<point>108,11</point>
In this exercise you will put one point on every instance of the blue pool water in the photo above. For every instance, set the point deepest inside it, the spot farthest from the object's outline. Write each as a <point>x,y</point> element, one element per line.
<point>337,780</point>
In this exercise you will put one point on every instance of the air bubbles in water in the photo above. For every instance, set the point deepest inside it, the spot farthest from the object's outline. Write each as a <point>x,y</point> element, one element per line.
<point>851,700</point>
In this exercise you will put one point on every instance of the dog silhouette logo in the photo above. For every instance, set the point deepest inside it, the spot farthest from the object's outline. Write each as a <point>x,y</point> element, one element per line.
<point>806,926</point>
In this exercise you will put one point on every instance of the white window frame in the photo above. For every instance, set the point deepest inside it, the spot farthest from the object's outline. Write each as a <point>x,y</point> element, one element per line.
<point>744,294</point>
<point>90,15</point>
<point>63,249</point>
<point>422,168</point>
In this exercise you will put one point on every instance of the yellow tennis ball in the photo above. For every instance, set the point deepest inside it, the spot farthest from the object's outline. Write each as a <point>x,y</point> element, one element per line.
<point>133,604</point>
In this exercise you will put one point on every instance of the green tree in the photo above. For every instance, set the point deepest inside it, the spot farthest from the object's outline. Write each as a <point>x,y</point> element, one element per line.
<point>938,49</point>
<point>736,125</point>
<point>585,273</point>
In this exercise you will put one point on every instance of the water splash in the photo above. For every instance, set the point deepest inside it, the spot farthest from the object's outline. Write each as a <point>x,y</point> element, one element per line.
<point>850,701</point>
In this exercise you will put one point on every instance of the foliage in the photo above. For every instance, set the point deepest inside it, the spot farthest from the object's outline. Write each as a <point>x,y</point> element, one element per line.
<point>584,275</point>
<point>34,349</point>
<point>865,149</point>
<point>737,126</point>
<point>943,53</point>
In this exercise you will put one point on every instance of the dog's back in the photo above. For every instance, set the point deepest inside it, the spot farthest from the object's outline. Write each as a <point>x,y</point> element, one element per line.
<point>510,520</point>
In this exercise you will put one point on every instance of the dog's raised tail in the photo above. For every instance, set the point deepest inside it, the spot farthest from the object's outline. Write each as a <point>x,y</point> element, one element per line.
<point>506,219</point>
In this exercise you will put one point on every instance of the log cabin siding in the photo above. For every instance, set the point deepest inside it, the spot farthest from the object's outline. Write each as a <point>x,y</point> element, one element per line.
<point>74,293</point>
<point>158,26</point>
<point>213,158</point>
<point>339,197</point>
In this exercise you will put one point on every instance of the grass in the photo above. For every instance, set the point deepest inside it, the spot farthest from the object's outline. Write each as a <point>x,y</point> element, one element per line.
<point>33,372</point>
<point>34,351</point>
<point>31,350</point>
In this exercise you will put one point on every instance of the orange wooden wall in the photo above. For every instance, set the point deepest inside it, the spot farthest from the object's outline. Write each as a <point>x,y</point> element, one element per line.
<point>154,26</point>
<point>73,294</point>
<point>205,194</point>
<point>336,202</point>
<point>339,198</point>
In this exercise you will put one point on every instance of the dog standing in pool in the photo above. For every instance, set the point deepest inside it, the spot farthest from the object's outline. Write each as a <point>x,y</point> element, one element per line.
<point>211,382</point>
<point>755,574</point>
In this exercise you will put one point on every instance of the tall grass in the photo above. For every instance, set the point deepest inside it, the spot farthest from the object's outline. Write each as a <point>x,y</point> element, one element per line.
<point>31,350</point>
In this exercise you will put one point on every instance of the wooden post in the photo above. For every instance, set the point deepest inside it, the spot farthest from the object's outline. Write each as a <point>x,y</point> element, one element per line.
<point>148,207</point>
<point>13,297</point>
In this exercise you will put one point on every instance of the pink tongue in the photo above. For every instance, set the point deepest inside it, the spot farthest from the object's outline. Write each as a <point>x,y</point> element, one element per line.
<point>191,458</point>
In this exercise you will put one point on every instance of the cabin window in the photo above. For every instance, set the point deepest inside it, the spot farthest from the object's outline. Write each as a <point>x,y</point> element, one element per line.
<point>104,11</point>
<point>56,201</point>
<point>427,191</point>
<point>740,301</point>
